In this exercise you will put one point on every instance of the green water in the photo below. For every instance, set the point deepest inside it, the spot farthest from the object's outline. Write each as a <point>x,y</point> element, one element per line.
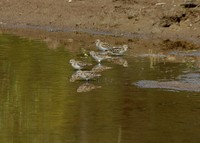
<point>38,104</point>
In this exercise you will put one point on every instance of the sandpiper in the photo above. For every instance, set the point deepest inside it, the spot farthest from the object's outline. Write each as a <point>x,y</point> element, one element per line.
<point>79,64</point>
<point>99,56</point>
<point>86,75</point>
<point>119,50</point>
<point>102,46</point>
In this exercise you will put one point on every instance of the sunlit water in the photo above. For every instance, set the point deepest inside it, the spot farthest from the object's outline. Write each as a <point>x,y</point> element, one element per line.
<point>38,103</point>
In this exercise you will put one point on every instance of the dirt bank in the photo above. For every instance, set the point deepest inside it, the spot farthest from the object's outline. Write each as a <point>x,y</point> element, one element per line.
<point>164,19</point>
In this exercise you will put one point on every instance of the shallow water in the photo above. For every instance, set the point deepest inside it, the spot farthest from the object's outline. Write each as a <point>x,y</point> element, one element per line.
<point>39,104</point>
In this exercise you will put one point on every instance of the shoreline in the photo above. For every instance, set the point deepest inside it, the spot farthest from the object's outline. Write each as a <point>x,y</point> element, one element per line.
<point>11,28</point>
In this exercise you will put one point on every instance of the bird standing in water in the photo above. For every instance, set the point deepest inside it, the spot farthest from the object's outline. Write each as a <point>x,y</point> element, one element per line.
<point>79,64</point>
<point>99,56</point>
<point>102,46</point>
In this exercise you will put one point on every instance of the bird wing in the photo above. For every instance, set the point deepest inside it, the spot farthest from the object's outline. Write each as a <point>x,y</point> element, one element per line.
<point>84,63</point>
<point>106,45</point>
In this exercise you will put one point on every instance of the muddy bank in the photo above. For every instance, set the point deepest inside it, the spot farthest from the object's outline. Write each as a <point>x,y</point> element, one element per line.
<point>136,16</point>
<point>139,44</point>
<point>165,22</point>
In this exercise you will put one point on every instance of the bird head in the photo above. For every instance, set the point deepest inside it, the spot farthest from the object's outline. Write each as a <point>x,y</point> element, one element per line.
<point>125,47</point>
<point>97,41</point>
<point>71,61</point>
<point>92,53</point>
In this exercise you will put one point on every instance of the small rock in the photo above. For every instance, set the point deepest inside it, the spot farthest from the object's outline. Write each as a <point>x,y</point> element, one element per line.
<point>189,4</point>
<point>130,40</point>
<point>130,17</point>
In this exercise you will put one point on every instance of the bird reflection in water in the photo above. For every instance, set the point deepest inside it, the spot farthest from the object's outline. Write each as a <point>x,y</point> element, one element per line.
<point>119,61</point>
<point>86,87</point>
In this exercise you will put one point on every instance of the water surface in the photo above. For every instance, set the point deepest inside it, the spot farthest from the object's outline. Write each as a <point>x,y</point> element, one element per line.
<point>38,103</point>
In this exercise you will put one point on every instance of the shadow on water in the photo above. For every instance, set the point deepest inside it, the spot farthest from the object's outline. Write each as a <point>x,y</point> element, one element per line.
<point>40,104</point>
